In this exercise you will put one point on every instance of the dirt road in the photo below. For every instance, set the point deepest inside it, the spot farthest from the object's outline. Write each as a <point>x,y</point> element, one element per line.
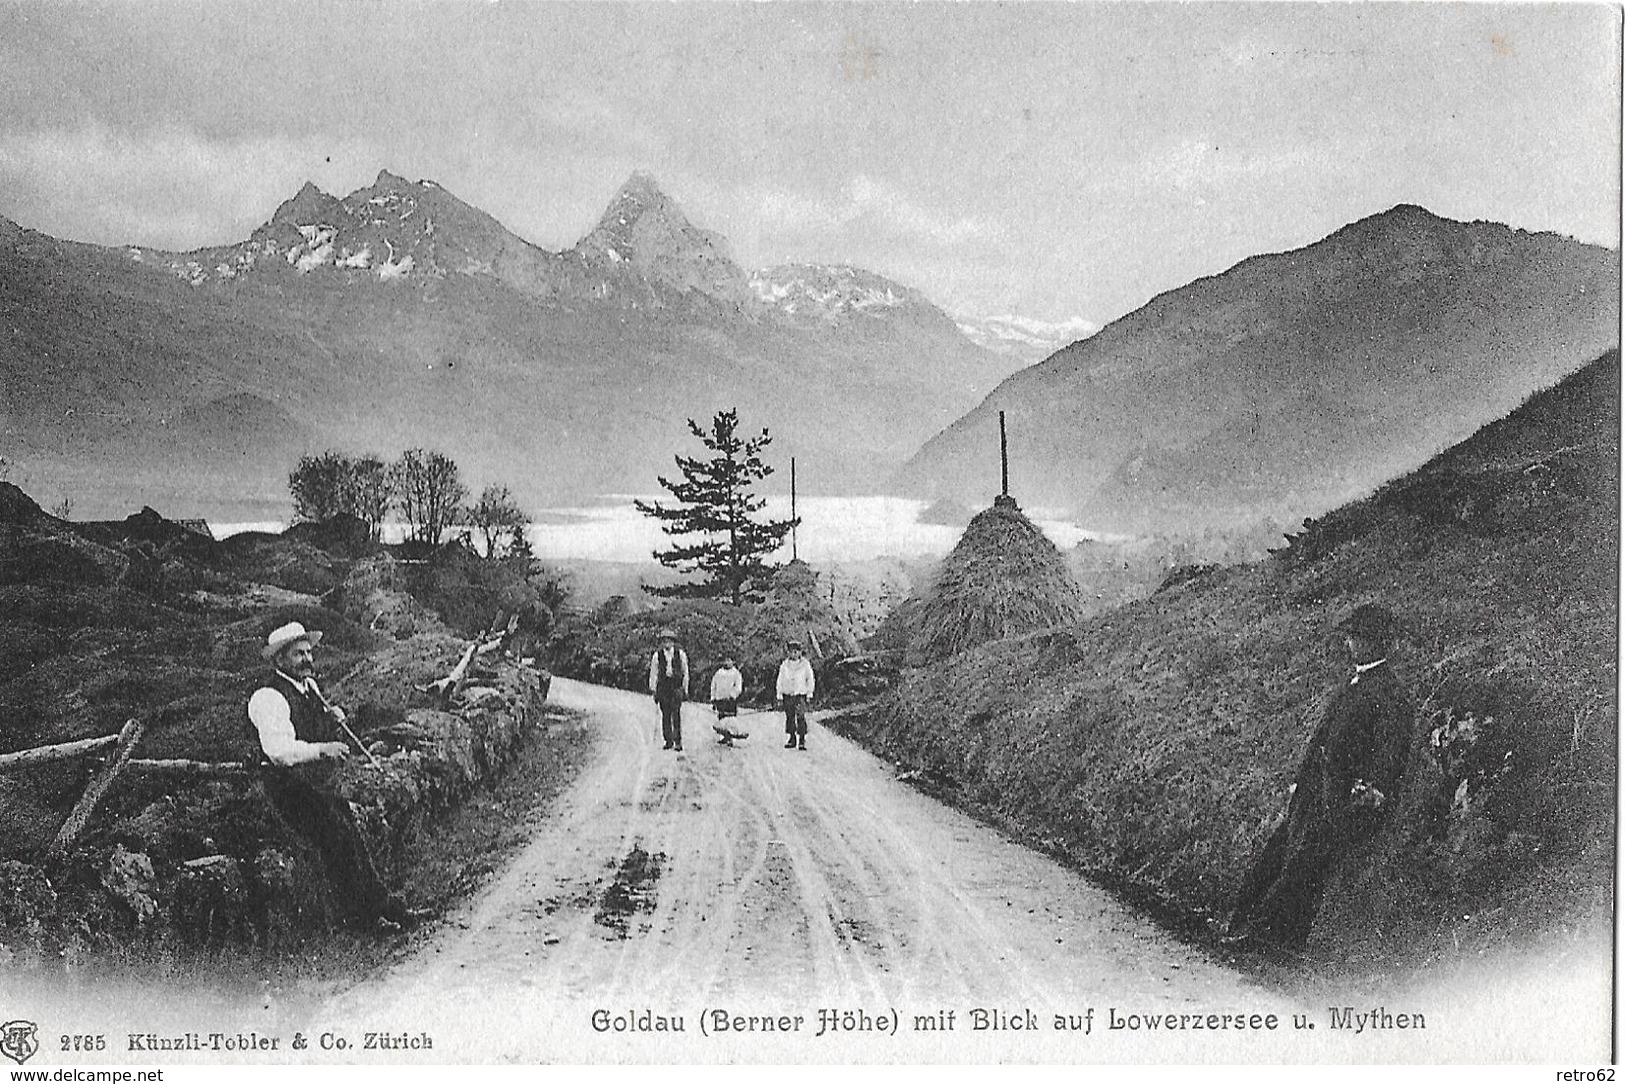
<point>759,904</point>
<point>756,903</point>
<point>767,882</point>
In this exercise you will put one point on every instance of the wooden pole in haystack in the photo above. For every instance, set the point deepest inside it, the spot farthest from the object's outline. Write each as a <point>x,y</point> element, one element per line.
<point>1004,460</point>
<point>793,553</point>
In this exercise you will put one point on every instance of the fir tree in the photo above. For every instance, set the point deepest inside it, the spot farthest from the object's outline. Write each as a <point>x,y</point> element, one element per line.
<point>717,507</point>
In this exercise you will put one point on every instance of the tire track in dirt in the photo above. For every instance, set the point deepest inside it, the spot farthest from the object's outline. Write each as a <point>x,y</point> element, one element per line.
<point>758,878</point>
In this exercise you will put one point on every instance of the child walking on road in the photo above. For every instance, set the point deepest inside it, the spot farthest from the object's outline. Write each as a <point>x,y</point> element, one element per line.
<point>795,688</point>
<point>726,686</point>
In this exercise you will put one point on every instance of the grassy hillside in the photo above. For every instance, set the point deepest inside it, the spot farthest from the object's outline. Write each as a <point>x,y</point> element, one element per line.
<point>140,618</point>
<point>1154,744</point>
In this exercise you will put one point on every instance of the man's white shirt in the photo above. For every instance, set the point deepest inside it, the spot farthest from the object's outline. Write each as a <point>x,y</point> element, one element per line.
<point>675,663</point>
<point>269,712</point>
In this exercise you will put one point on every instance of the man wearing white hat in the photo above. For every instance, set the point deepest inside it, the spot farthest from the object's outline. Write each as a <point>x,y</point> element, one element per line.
<point>301,741</point>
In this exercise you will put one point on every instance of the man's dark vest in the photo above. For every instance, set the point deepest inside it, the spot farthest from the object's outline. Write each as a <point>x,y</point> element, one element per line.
<point>310,720</point>
<point>669,681</point>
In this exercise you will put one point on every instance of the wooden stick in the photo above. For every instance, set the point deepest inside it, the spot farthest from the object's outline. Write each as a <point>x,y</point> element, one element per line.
<point>69,832</point>
<point>1004,460</point>
<point>459,675</point>
<point>203,769</point>
<point>447,687</point>
<point>334,714</point>
<point>24,758</point>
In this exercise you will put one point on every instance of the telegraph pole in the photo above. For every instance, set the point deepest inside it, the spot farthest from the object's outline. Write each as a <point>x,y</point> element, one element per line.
<point>792,508</point>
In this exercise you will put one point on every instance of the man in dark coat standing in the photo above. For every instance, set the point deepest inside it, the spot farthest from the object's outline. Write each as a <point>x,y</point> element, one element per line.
<point>1347,782</point>
<point>668,682</point>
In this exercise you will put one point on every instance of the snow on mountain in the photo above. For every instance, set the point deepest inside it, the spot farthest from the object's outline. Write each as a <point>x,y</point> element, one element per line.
<point>389,230</point>
<point>645,234</point>
<point>1024,337</point>
<point>644,253</point>
<point>831,293</point>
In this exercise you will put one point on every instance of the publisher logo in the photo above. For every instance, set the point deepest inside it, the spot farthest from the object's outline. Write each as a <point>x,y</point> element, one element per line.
<point>17,1040</point>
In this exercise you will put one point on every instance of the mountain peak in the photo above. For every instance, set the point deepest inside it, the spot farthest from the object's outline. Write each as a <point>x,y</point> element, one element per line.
<point>643,228</point>
<point>638,197</point>
<point>388,181</point>
<point>641,183</point>
<point>1399,218</point>
<point>309,204</point>
<point>1417,327</point>
<point>1407,214</point>
<point>1408,210</point>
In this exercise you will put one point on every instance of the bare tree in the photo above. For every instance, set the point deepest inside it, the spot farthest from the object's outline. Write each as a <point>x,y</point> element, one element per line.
<point>332,484</point>
<point>499,520</point>
<point>430,492</point>
<point>368,493</point>
<point>318,486</point>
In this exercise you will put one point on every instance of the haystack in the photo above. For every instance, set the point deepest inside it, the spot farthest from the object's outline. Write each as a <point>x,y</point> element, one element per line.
<point>1004,578</point>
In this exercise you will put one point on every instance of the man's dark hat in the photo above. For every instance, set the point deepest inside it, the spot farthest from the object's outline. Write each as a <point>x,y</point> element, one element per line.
<point>1371,621</point>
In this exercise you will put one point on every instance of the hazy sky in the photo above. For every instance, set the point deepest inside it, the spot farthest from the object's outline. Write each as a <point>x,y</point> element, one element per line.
<point>1050,160</point>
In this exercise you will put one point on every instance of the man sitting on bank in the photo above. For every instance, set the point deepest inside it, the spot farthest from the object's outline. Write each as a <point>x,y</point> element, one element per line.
<point>301,744</point>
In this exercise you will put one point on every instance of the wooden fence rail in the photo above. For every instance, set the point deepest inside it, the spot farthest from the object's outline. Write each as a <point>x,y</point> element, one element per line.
<point>192,769</point>
<point>45,754</point>
<point>122,746</point>
<point>103,779</point>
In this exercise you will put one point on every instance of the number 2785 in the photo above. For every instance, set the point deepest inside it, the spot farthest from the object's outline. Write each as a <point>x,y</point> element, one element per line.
<point>84,1042</point>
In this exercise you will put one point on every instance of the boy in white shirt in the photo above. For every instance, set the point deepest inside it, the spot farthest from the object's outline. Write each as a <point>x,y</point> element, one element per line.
<point>795,688</point>
<point>726,686</point>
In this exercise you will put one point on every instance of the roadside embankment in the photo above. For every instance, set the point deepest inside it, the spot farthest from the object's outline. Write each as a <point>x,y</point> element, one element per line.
<point>143,619</point>
<point>1154,745</point>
